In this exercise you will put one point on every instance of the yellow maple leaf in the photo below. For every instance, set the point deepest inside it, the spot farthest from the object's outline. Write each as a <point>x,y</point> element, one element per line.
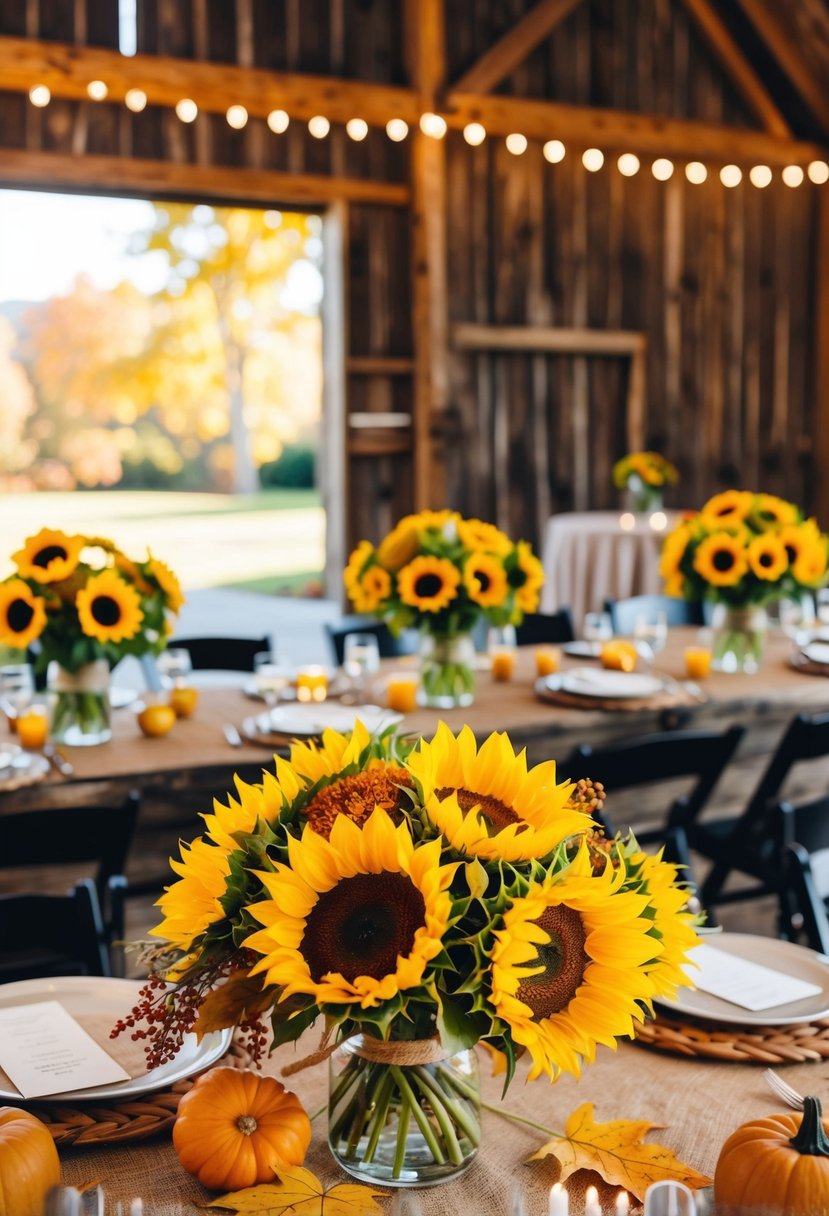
<point>300,1193</point>
<point>230,1003</point>
<point>615,1150</point>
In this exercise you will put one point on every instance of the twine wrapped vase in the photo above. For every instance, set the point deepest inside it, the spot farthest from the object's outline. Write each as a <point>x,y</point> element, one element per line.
<point>79,708</point>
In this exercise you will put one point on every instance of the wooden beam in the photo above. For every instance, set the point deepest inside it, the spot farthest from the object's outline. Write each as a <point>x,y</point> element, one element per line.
<point>821,332</point>
<point>586,126</point>
<point>68,69</point>
<point>510,51</point>
<point>742,75</point>
<point>776,33</point>
<point>550,338</point>
<point>379,365</point>
<point>157,177</point>
<point>425,26</point>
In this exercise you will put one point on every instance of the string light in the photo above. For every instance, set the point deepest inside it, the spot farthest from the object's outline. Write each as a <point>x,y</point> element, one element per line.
<point>760,176</point>
<point>237,117</point>
<point>628,164</point>
<point>696,172</point>
<point>319,126</point>
<point>40,95</point>
<point>97,90</point>
<point>433,125</point>
<point>792,175</point>
<point>592,159</point>
<point>818,172</point>
<point>516,143</point>
<point>356,129</point>
<point>397,129</point>
<point>135,100</point>
<point>662,169</point>
<point>474,134</point>
<point>187,110</point>
<point>278,121</point>
<point>553,151</point>
<point>731,176</point>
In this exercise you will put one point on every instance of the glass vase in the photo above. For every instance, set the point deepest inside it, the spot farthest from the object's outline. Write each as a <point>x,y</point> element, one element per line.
<point>739,637</point>
<point>403,1114</point>
<point>641,497</point>
<point>79,709</point>
<point>447,670</point>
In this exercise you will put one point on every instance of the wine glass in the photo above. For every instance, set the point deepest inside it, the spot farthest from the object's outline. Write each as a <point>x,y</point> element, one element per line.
<point>597,628</point>
<point>650,633</point>
<point>173,667</point>
<point>270,678</point>
<point>361,659</point>
<point>17,688</point>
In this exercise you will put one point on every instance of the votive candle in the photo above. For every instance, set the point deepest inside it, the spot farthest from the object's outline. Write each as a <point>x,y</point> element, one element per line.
<point>697,662</point>
<point>401,693</point>
<point>32,727</point>
<point>622,1204</point>
<point>503,664</point>
<point>592,1207</point>
<point>559,1201</point>
<point>311,684</point>
<point>547,660</point>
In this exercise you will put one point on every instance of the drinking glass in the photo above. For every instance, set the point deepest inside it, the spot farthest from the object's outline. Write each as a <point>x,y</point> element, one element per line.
<point>270,678</point>
<point>791,618</point>
<point>361,659</point>
<point>174,666</point>
<point>650,635</point>
<point>501,645</point>
<point>822,605</point>
<point>597,628</point>
<point>17,688</point>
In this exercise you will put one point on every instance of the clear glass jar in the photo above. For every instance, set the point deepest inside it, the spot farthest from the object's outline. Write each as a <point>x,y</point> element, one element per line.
<point>79,709</point>
<point>399,1123</point>
<point>643,498</point>
<point>447,670</point>
<point>739,638</point>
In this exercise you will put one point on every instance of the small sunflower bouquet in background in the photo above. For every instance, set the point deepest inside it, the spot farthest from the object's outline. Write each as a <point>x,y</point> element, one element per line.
<point>85,605</point>
<point>741,551</point>
<point>442,573</point>
<point>644,475</point>
<point>416,902</point>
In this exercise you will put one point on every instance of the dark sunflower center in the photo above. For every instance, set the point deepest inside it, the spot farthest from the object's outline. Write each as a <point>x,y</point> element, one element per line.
<point>791,553</point>
<point>427,586</point>
<point>723,560</point>
<point>562,960</point>
<point>766,560</point>
<point>105,610</point>
<point>360,926</point>
<point>517,578</point>
<point>723,511</point>
<point>483,580</point>
<point>496,815</point>
<point>19,615</point>
<point>49,554</point>
<point>356,797</point>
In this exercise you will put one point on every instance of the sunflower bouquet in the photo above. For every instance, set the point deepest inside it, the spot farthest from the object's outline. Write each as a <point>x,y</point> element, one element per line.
<point>644,475</point>
<point>416,901</point>
<point>442,573</point>
<point>84,605</point>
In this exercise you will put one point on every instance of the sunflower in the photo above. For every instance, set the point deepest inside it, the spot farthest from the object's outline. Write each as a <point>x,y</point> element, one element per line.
<point>479,536</point>
<point>354,919</point>
<point>721,559</point>
<point>769,511</point>
<point>192,904</point>
<point>485,580</point>
<point>767,557</point>
<point>526,578</point>
<point>49,557</point>
<point>486,803</point>
<point>161,573</point>
<point>672,924</point>
<point>371,589</point>
<point>809,567</point>
<point>357,563</point>
<point>568,965</point>
<point>730,507</point>
<point>799,538</point>
<point>402,543</point>
<point>108,608</point>
<point>675,587</point>
<point>673,551</point>
<point>22,614</point>
<point>428,583</point>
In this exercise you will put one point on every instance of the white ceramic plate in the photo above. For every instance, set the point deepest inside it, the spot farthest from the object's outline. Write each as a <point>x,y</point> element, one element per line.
<point>8,753</point>
<point>313,719</point>
<point>817,652</point>
<point>114,997</point>
<point>596,682</point>
<point>768,951</point>
<point>26,768</point>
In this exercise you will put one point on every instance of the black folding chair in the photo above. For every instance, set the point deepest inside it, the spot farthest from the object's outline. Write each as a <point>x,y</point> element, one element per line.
<point>42,935</point>
<point>801,850</point>
<point>749,843</point>
<point>390,647</point>
<point>625,613</point>
<point>540,628</point>
<point>222,654</point>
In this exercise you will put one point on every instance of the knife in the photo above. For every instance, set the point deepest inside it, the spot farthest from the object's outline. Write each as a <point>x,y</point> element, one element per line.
<point>58,760</point>
<point>232,735</point>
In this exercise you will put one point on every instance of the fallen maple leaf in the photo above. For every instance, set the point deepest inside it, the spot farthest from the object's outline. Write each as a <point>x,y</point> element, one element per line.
<point>615,1150</point>
<point>300,1193</point>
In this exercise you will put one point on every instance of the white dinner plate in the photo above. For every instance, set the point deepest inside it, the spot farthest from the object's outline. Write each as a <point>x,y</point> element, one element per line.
<point>8,753</point>
<point>596,682</point>
<point>582,650</point>
<point>81,994</point>
<point>816,652</point>
<point>781,956</point>
<point>313,719</point>
<point>120,698</point>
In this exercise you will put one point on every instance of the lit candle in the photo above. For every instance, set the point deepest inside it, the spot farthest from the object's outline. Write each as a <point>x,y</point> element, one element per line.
<point>622,1204</point>
<point>401,693</point>
<point>503,664</point>
<point>547,660</point>
<point>559,1201</point>
<point>697,662</point>
<point>592,1207</point>
<point>32,727</point>
<point>311,684</point>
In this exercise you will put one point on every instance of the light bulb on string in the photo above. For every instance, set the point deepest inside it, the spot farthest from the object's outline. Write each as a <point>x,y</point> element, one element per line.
<point>237,117</point>
<point>592,159</point>
<point>319,126</point>
<point>187,110</point>
<point>662,169</point>
<point>356,129</point>
<point>433,125</point>
<point>278,121</point>
<point>553,151</point>
<point>792,175</point>
<point>40,95</point>
<point>474,134</point>
<point>628,164</point>
<point>97,90</point>
<point>516,143</point>
<point>760,176</point>
<point>696,172</point>
<point>818,172</point>
<point>135,100</point>
<point>397,129</point>
<point>731,176</point>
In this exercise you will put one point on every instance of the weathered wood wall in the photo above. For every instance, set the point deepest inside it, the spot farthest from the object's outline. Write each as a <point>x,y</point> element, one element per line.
<point>722,282</point>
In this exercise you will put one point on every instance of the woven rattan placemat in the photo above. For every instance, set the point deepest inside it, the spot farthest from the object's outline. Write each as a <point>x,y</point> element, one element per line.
<point>803,1043</point>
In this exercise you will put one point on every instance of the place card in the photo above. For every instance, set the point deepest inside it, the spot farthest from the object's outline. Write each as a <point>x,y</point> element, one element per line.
<point>44,1051</point>
<point>749,985</point>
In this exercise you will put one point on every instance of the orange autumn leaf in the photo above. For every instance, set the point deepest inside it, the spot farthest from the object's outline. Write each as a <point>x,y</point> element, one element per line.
<point>617,1152</point>
<point>231,1003</point>
<point>300,1193</point>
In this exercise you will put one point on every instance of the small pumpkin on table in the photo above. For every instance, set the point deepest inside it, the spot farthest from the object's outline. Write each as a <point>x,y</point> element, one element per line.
<point>779,1163</point>
<point>29,1164</point>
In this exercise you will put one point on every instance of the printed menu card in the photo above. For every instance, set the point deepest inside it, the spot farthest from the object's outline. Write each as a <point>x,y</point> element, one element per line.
<point>44,1051</point>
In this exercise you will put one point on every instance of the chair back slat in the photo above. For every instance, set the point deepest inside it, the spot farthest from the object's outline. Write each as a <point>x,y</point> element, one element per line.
<point>544,628</point>
<point>625,613</point>
<point>52,934</point>
<point>222,654</point>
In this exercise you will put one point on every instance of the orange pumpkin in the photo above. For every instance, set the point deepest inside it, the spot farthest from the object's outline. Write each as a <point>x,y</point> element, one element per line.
<point>29,1164</point>
<point>236,1128</point>
<point>780,1164</point>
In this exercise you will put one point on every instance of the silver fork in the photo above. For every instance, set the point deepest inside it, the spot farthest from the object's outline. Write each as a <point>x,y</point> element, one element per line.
<point>783,1090</point>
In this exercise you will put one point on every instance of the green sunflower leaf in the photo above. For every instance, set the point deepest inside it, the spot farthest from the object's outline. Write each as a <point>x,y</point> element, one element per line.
<point>457,1029</point>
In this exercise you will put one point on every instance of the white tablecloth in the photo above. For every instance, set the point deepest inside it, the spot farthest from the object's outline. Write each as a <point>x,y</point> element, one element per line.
<point>589,557</point>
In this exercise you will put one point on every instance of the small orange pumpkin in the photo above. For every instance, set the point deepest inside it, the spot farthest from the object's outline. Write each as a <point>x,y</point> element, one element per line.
<point>780,1164</point>
<point>236,1128</point>
<point>29,1164</point>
